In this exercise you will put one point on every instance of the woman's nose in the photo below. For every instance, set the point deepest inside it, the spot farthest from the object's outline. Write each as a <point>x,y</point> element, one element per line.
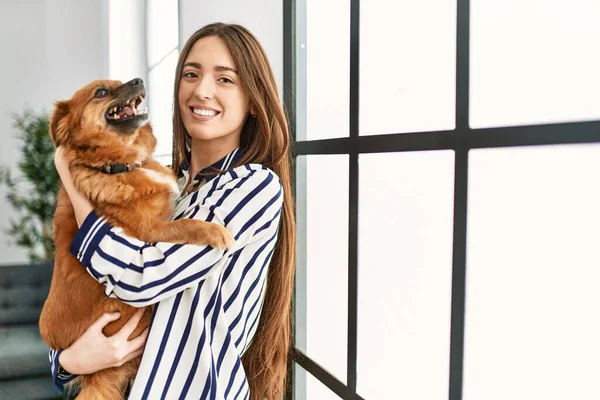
<point>205,88</point>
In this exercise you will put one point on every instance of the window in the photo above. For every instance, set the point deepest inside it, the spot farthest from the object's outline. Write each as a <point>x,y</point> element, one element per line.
<point>127,41</point>
<point>144,43</point>
<point>163,52</point>
<point>447,246</point>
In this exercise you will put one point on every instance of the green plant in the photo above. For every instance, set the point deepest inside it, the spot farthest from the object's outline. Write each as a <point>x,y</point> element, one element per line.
<point>33,194</point>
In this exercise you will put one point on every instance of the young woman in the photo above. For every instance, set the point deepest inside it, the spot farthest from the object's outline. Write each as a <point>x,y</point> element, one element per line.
<point>221,325</point>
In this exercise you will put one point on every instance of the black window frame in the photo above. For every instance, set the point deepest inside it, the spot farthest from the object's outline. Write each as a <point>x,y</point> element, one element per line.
<point>461,139</point>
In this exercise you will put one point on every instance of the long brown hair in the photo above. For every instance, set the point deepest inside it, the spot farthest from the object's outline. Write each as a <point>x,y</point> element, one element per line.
<point>265,140</point>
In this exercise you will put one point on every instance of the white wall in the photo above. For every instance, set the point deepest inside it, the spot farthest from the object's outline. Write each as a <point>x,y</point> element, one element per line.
<point>49,48</point>
<point>264,18</point>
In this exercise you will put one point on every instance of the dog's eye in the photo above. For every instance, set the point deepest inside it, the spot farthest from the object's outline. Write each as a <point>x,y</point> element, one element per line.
<point>101,93</point>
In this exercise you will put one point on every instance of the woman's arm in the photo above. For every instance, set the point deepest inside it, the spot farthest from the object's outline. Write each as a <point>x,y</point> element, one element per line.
<point>246,200</point>
<point>81,205</point>
<point>93,351</point>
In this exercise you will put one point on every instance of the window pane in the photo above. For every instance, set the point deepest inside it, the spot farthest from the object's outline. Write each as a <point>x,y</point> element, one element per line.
<point>163,29</point>
<point>160,102</point>
<point>407,66</point>
<point>307,387</point>
<point>322,277</point>
<point>405,274</point>
<point>532,274</point>
<point>127,58</point>
<point>543,69</point>
<point>323,69</point>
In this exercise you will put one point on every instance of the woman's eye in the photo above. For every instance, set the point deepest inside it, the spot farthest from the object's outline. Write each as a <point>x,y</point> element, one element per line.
<point>190,75</point>
<point>225,80</point>
<point>101,93</point>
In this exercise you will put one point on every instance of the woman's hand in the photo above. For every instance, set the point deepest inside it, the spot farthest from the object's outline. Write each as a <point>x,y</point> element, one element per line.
<point>94,352</point>
<point>61,162</point>
<point>81,205</point>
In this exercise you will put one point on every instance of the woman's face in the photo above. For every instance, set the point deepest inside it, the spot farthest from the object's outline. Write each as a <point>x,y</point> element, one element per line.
<point>212,103</point>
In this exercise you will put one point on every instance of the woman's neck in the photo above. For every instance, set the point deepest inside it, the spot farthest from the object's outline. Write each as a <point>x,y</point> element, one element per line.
<point>206,153</point>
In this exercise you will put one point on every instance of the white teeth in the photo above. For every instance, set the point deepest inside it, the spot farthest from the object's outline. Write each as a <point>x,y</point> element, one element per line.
<point>139,109</point>
<point>205,113</point>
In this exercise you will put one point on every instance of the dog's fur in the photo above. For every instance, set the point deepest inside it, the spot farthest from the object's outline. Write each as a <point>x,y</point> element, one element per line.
<point>140,201</point>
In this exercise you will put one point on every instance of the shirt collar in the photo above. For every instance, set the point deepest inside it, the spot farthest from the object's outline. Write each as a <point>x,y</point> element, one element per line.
<point>211,171</point>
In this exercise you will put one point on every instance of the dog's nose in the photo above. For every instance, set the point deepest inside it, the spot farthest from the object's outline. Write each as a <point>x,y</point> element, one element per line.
<point>135,82</point>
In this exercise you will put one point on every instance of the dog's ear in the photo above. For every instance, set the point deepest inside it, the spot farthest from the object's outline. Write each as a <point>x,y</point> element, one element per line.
<point>59,123</point>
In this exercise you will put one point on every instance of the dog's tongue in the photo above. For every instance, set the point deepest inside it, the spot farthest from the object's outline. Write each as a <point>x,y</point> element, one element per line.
<point>126,112</point>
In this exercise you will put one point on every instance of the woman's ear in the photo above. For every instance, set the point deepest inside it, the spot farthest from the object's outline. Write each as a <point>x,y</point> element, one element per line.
<point>59,123</point>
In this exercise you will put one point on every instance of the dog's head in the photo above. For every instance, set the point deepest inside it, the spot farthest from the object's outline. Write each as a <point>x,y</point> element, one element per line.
<point>103,111</point>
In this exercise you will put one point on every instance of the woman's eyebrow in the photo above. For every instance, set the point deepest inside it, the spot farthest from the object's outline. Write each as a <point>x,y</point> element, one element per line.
<point>216,68</point>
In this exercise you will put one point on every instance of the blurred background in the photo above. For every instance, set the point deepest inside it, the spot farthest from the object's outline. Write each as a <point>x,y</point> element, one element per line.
<point>446,180</point>
<point>51,48</point>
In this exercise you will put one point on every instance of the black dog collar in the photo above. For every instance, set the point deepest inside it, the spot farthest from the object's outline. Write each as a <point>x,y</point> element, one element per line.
<point>118,168</point>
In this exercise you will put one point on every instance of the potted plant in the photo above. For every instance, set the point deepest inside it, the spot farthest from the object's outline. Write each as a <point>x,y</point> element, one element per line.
<point>33,193</point>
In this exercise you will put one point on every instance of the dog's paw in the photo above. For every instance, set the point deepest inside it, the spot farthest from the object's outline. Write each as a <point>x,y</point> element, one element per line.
<point>220,237</point>
<point>223,239</point>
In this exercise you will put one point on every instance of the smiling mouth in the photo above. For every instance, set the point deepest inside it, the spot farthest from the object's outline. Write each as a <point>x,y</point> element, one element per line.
<point>204,112</point>
<point>128,110</point>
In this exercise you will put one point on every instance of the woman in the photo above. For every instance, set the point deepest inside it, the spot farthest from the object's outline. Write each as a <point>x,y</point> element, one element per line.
<point>214,310</point>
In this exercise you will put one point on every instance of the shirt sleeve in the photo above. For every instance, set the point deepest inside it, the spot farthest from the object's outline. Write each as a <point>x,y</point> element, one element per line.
<point>142,274</point>
<point>60,377</point>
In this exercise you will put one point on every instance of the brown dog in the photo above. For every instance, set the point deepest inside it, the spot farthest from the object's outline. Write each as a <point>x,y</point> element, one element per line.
<point>103,125</point>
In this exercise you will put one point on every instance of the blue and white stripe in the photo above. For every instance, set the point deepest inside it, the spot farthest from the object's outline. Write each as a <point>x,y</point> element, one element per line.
<point>60,377</point>
<point>207,301</point>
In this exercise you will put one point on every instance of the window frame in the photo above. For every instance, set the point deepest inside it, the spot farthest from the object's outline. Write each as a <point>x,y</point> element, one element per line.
<point>461,139</point>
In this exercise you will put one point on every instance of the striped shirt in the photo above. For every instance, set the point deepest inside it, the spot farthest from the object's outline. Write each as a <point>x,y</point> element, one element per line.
<point>207,302</point>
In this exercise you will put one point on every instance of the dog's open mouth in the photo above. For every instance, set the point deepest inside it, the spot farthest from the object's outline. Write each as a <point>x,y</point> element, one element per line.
<point>130,109</point>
